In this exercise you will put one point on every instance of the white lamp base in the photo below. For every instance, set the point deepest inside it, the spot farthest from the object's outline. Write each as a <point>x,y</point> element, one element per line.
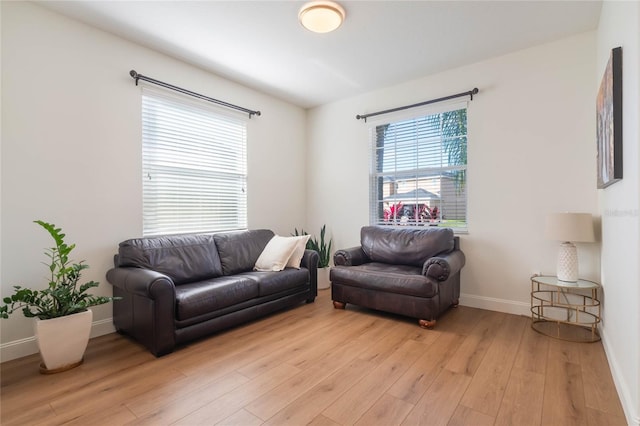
<point>568,262</point>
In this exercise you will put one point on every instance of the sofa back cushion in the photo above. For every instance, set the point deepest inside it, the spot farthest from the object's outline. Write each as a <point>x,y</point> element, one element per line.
<point>184,258</point>
<point>405,246</point>
<point>239,250</point>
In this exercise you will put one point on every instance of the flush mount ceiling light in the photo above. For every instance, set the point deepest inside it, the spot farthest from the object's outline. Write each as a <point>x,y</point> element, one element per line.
<point>321,16</point>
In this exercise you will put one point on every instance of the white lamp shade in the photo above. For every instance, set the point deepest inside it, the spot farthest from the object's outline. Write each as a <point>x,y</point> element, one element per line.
<point>575,227</point>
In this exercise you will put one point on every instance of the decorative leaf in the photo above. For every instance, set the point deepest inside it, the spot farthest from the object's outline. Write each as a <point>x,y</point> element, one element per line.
<point>62,296</point>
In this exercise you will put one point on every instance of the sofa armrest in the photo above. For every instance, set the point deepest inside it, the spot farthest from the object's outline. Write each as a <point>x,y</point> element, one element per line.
<point>353,256</point>
<point>142,282</point>
<point>310,261</point>
<point>146,309</point>
<point>442,267</point>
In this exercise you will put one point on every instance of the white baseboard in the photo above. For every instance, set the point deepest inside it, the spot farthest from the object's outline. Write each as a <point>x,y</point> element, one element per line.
<point>633,417</point>
<point>28,346</point>
<point>493,304</point>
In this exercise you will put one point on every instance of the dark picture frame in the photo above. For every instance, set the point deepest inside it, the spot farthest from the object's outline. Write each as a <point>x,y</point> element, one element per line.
<point>609,121</point>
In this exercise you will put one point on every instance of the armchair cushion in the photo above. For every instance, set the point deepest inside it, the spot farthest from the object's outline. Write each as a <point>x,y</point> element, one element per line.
<point>391,279</point>
<point>409,246</point>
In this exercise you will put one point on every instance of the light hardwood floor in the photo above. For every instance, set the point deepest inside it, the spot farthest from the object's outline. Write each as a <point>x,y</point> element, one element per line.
<point>320,366</point>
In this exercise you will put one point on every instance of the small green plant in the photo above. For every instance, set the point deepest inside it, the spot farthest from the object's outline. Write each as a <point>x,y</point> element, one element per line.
<point>322,247</point>
<point>63,296</point>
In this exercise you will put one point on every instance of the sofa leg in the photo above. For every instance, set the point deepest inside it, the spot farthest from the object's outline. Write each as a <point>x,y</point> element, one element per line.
<point>428,324</point>
<point>339,305</point>
<point>455,303</point>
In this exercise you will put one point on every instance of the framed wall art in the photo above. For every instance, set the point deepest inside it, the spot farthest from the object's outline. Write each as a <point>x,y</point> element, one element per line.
<point>609,121</point>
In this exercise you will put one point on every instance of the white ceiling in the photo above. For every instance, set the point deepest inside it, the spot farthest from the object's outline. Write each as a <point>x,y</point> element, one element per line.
<point>260,44</point>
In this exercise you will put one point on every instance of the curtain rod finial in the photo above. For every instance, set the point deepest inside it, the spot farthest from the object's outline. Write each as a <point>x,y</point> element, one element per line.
<point>133,74</point>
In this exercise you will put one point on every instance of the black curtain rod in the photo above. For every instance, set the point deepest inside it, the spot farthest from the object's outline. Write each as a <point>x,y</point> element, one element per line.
<point>137,77</point>
<point>432,101</point>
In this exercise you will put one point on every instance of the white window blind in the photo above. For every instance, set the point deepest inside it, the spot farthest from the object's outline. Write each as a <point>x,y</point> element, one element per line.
<point>418,171</point>
<point>194,167</point>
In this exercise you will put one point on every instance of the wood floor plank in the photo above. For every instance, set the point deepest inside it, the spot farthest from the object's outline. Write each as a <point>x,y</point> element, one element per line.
<point>564,390</point>
<point>241,418</point>
<point>106,417</point>
<point>440,401</point>
<point>27,416</point>
<point>164,411</point>
<point>268,405</point>
<point>323,421</point>
<point>600,418</point>
<point>388,410</point>
<point>471,352</point>
<point>362,395</point>
<point>599,390</point>
<point>416,380</point>
<point>490,380</point>
<point>533,351</point>
<point>298,351</point>
<point>522,402</point>
<point>300,362</point>
<point>310,404</point>
<point>464,416</point>
<point>226,405</point>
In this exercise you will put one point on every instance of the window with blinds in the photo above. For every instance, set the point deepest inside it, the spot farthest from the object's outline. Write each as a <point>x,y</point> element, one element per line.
<point>194,167</point>
<point>419,170</point>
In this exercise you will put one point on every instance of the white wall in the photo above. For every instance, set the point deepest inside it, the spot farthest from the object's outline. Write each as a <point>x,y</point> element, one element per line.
<point>71,149</point>
<point>619,207</point>
<point>531,151</point>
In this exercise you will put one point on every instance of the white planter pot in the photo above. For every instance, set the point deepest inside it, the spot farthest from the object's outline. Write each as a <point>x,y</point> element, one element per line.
<point>62,341</point>
<point>323,278</point>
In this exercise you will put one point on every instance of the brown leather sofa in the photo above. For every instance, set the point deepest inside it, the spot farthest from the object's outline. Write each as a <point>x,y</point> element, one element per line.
<point>175,289</point>
<point>407,271</point>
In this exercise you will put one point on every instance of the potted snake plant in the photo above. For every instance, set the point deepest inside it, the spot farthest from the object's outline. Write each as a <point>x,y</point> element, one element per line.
<point>323,247</point>
<point>61,310</point>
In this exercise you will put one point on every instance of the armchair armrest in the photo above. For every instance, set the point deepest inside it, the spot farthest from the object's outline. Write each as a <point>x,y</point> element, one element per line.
<point>353,256</point>
<point>441,267</point>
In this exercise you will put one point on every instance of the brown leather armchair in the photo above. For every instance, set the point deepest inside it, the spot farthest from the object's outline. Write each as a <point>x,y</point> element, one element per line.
<point>407,271</point>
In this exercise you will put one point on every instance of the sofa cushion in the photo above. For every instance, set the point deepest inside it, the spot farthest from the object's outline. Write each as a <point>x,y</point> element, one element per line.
<point>184,258</point>
<point>239,250</point>
<point>207,296</point>
<point>276,282</point>
<point>402,279</point>
<point>276,254</point>
<point>404,246</point>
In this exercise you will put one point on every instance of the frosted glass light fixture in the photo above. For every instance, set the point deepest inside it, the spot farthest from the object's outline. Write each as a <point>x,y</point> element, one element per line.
<point>321,16</point>
<point>569,228</point>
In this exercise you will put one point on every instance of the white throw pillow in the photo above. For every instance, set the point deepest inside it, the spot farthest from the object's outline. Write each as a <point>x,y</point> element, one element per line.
<point>275,255</point>
<point>296,257</point>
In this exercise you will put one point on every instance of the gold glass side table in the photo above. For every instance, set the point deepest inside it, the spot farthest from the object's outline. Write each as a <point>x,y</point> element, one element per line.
<point>565,310</point>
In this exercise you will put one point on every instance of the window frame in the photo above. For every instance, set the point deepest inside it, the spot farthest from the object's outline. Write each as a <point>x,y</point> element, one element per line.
<point>375,195</point>
<point>205,136</point>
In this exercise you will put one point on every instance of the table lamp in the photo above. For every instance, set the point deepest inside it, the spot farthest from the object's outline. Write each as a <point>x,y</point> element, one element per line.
<point>569,228</point>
